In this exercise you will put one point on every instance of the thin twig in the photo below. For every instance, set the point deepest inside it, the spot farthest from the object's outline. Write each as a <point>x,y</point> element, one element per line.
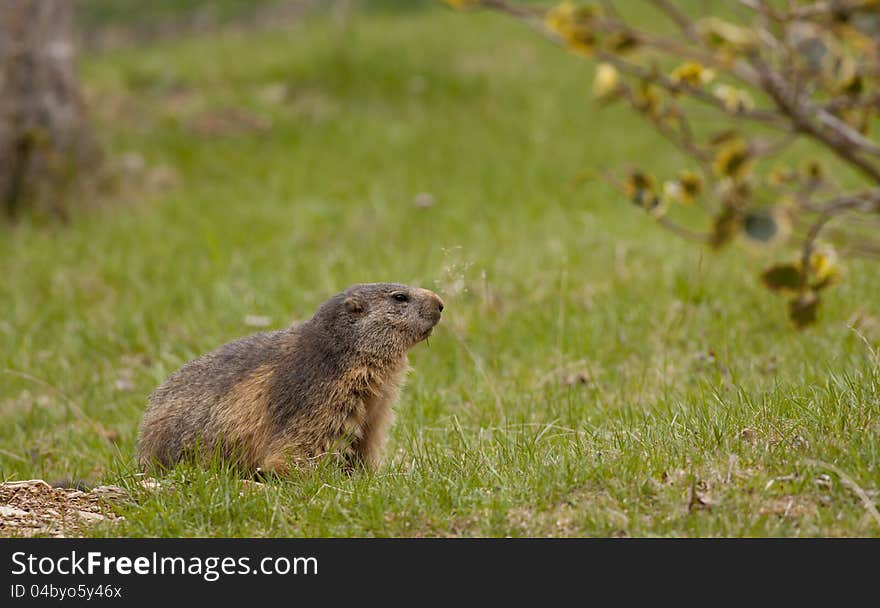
<point>678,17</point>
<point>823,9</point>
<point>770,148</point>
<point>763,116</point>
<point>867,202</point>
<point>849,483</point>
<point>509,9</point>
<point>799,112</point>
<point>693,235</point>
<point>809,241</point>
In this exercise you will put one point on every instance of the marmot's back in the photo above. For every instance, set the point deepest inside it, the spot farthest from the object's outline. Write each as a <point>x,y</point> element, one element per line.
<point>182,415</point>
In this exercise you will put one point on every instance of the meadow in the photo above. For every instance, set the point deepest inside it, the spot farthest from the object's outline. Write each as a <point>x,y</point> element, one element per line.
<point>592,376</point>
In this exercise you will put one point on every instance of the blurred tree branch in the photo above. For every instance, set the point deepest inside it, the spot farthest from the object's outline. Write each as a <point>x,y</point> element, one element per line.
<point>814,69</point>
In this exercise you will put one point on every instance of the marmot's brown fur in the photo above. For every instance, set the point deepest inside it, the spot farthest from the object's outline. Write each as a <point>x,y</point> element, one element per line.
<point>281,398</point>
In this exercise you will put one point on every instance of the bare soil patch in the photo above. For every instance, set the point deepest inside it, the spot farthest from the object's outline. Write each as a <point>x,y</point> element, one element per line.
<point>34,508</point>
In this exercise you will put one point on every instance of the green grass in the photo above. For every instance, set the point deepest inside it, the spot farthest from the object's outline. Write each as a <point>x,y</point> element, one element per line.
<point>102,13</point>
<point>695,386</point>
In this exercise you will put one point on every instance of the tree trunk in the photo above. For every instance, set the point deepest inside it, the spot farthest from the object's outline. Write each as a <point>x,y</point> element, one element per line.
<point>45,139</point>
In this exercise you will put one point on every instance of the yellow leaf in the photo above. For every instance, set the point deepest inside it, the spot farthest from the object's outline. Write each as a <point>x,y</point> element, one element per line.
<point>724,35</point>
<point>823,266</point>
<point>558,17</point>
<point>691,185</point>
<point>460,3</point>
<point>725,226</point>
<point>638,186</point>
<point>692,73</point>
<point>621,43</point>
<point>573,25</point>
<point>733,160</point>
<point>606,83</point>
<point>735,100</point>
<point>684,189</point>
<point>580,40</point>
<point>648,99</point>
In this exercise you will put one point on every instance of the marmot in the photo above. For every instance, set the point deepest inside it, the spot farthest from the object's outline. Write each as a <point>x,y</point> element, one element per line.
<point>287,397</point>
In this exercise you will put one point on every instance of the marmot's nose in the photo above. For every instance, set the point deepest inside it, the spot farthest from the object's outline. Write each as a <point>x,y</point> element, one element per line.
<point>432,305</point>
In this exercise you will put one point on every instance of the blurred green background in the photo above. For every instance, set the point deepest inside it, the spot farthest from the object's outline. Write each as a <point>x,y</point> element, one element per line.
<point>591,372</point>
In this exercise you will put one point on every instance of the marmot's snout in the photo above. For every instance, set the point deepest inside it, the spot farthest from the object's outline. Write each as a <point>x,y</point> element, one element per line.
<point>430,309</point>
<point>433,306</point>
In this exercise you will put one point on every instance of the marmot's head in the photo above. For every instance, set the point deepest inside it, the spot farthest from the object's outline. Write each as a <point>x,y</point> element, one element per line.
<point>381,320</point>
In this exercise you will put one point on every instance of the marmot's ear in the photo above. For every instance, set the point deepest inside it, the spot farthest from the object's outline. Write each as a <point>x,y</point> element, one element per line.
<point>352,304</point>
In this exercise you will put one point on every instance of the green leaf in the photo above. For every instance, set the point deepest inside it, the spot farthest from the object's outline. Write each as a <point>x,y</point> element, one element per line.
<point>783,277</point>
<point>803,309</point>
<point>760,227</point>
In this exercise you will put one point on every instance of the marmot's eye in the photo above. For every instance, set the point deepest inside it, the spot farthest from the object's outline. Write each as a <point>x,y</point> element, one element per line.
<point>401,297</point>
